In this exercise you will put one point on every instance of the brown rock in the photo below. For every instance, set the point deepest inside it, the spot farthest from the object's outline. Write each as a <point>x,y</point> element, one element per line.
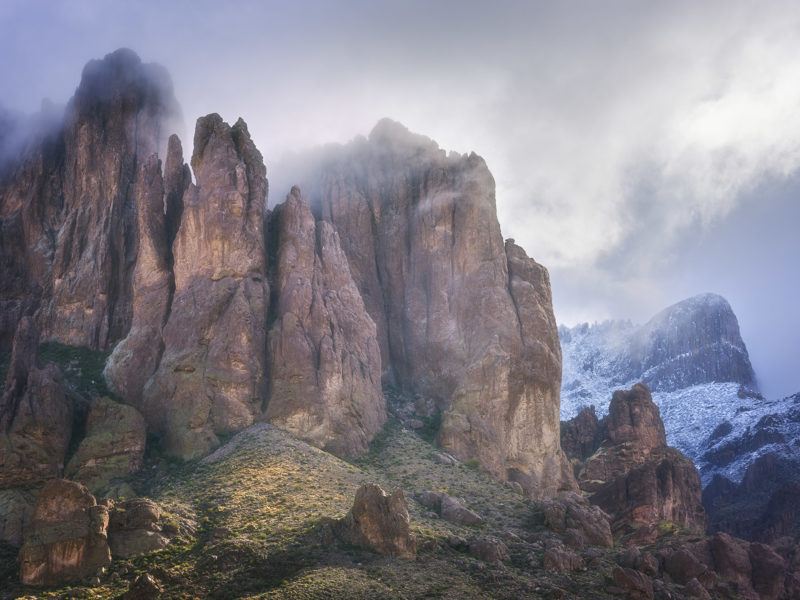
<point>144,587</point>
<point>452,510</point>
<point>420,232</point>
<point>135,359</point>
<point>489,549</point>
<point>769,571</point>
<point>579,435</point>
<point>35,416</point>
<point>683,566</point>
<point>637,585</point>
<point>135,528</point>
<point>66,538</point>
<point>325,371</point>
<point>379,521</point>
<point>16,508</point>
<point>696,590</point>
<point>558,558</point>
<point>731,558</point>
<point>212,375</point>
<point>112,448</point>
<point>572,511</point>
<point>635,477</point>
<point>67,205</point>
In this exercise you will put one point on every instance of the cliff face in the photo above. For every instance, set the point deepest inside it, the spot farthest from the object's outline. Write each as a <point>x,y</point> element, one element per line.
<point>461,317</point>
<point>68,209</point>
<point>221,314</point>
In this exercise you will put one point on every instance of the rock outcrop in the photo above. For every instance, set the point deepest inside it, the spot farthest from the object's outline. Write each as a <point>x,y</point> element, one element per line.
<point>135,528</point>
<point>35,416</point>
<point>66,539</point>
<point>212,375</point>
<point>112,448</point>
<point>67,206</point>
<point>135,359</point>
<point>461,317</point>
<point>379,521</point>
<point>325,371</point>
<point>634,476</point>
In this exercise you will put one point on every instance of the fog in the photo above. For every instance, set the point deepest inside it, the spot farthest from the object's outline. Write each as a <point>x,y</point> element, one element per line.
<point>643,152</point>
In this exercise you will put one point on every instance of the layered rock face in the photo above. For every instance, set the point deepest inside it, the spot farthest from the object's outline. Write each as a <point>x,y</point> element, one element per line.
<point>633,475</point>
<point>70,235</point>
<point>325,371</point>
<point>460,317</point>
<point>212,375</point>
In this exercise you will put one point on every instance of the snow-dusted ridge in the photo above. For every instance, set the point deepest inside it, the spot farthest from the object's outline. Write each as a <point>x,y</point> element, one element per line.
<point>692,357</point>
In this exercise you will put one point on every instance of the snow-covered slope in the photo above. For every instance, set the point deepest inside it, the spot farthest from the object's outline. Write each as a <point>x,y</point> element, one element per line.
<point>692,357</point>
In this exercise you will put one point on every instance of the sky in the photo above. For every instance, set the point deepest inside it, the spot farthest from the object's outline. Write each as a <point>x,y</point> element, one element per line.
<point>643,151</point>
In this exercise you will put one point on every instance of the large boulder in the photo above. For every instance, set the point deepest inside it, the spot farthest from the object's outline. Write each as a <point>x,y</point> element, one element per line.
<point>212,375</point>
<point>571,512</point>
<point>325,370</point>
<point>135,527</point>
<point>379,521</point>
<point>66,538</point>
<point>35,416</point>
<point>112,448</point>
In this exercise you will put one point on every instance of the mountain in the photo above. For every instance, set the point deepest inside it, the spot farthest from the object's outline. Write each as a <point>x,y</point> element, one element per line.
<point>744,445</point>
<point>218,312</point>
<point>691,355</point>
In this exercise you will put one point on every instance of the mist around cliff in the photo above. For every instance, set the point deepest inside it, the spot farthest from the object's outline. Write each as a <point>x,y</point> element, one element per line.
<point>630,144</point>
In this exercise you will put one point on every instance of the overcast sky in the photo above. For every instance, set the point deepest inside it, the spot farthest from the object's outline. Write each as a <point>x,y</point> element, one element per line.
<point>643,151</point>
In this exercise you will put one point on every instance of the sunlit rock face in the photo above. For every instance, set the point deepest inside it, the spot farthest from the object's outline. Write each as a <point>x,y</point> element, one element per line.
<point>211,378</point>
<point>325,370</point>
<point>460,316</point>
<point>67,205</point>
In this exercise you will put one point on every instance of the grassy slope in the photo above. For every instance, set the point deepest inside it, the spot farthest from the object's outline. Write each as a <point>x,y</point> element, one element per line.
<point>262,505</point>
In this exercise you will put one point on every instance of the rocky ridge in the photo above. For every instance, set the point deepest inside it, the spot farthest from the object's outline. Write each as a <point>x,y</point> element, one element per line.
<point>221,313</point>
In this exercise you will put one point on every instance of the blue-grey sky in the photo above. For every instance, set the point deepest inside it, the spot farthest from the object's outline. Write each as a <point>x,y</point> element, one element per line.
<point>643,151</point>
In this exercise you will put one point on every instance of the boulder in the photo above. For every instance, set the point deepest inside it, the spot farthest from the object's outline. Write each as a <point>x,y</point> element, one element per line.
<point>452,510</point>
<point>325,369</point>
<point>144,587</point>
<point>638,586</point>
<point>66,539</point>
<point>379,521</point>
<point>35,416</point>
<point>571,511</point>
<point>683,566</point>
<point>695,589</point>
<point>769,571</point>
<point>112,448</point>
<point>731,558</point>
<point>489,549</point>
<point>135,528</point>
<point>558,558</point>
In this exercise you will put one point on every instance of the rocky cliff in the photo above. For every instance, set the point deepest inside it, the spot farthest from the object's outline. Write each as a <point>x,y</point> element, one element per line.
<point>68,206</point>
<point>461,317</point>
<point>221,313</point>
<point>624,464</point>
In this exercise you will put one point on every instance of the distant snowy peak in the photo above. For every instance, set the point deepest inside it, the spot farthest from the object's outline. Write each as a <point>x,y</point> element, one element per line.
<point>692,342</point>
<point>691,355</point>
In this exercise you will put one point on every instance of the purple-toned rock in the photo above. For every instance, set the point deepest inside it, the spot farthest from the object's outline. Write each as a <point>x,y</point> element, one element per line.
<point>212,375</point>
<point>325,372</point>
